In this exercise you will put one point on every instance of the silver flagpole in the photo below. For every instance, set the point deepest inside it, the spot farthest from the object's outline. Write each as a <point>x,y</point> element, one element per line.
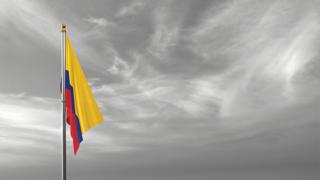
<point>63,64</point>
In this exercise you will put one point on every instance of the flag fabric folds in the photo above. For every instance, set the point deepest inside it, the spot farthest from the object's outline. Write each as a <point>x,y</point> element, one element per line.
<point>82,111</point>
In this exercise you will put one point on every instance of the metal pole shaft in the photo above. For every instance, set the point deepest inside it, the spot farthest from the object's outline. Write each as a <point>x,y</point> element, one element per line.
<point>63,63</point>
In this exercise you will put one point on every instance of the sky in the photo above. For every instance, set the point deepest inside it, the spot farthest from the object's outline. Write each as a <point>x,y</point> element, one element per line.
<point>189,89</point>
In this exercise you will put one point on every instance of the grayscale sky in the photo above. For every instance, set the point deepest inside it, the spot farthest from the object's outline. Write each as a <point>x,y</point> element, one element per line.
<point>189,89</point>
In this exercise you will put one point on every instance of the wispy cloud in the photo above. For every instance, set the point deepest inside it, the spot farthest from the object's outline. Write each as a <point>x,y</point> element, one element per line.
<point>262,64</point>
<point>32,127</point>
<point>100,22</point>
<point>36,20</point>
<point>32,18</point>
<point>231,84</point>
<point>130,9</point>
<point>165,34</point>
<point>29,124</point>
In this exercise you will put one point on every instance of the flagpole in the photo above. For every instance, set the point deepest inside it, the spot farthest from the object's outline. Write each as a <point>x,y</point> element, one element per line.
<point>63,63</point>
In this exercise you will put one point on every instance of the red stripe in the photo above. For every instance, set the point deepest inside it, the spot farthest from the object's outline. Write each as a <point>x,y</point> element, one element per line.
<point>71,119</point>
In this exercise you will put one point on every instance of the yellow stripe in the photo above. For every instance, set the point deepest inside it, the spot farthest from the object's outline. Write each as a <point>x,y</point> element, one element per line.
<point>86,107</point>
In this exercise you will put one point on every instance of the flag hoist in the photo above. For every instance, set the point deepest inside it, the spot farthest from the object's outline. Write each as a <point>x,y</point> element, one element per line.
<point>79,107</point>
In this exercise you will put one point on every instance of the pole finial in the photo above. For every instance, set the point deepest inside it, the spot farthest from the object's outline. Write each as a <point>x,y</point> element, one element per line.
<point>63,27</point>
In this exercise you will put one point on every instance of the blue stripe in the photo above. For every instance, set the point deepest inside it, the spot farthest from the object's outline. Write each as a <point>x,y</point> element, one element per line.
<point>68,86</point>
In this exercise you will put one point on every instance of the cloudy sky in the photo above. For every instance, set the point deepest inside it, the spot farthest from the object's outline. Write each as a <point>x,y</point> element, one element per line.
<point>189,89</point>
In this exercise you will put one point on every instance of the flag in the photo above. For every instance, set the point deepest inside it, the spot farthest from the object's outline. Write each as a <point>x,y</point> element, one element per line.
<point>82,111</point>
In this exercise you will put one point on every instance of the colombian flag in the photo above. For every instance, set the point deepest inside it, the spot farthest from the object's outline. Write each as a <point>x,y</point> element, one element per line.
<point>82,111</point>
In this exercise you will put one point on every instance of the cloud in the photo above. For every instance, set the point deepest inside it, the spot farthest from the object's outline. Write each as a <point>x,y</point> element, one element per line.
<point>29,124</point>
<point>130,9</point>
<point>32,18</point>
<point>32,129</point>
<point>165,34</point>
<point>101,22</point>
<point>262,64</point>
<point>36,20</point>
<point>183,86</point>
<point>119,66</point>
